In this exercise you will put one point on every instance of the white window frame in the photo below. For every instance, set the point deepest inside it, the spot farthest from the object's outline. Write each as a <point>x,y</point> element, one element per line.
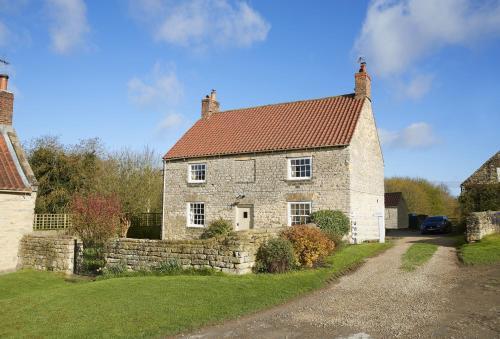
<point>289,168</point>
<point>290,203</point>
<point>189,222</point>
<point>190,171</point>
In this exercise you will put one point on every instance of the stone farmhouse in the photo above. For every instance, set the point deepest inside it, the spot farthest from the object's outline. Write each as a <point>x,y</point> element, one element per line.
<point>18,185</point>
<point>396,211</point>
<point>488,173</point>
<point>271,166</point>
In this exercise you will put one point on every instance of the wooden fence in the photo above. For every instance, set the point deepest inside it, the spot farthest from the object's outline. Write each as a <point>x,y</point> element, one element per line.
<point>46,222</point>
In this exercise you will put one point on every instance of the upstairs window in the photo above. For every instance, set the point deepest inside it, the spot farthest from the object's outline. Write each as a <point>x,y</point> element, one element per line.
<point>299,213</point>
<point>197,173</point>
<point>299,168</point>
<point>196,214</point>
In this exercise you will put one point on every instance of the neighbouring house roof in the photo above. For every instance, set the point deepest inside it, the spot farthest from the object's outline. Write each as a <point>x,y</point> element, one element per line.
<point>15,174</point>
<point>294,125</point>
<point>393,199</point>
<point>486,174</point>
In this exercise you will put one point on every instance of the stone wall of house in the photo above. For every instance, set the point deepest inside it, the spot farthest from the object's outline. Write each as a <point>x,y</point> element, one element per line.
<point>233,254</point>
<point>259,180</point>
<point>366,167</point>
<point>480,224</point>
<point>391,218</point>
<point>47,253</point>
<point>397,217</point>
<point>16,219</point>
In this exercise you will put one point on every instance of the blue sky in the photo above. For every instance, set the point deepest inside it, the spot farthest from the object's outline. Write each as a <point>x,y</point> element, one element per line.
<point>133,73</point>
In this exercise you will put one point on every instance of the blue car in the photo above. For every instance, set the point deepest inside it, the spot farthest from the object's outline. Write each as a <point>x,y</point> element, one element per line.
<point>437,224</point>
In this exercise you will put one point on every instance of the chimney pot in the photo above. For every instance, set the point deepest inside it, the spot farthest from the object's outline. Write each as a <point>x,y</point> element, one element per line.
<point>209,105</point>
<point>4,82</point>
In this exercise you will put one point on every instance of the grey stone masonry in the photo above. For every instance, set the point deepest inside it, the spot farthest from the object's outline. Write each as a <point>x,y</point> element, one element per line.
<point>233,254</point>
<point>47,253</point>
<point>480,224</point>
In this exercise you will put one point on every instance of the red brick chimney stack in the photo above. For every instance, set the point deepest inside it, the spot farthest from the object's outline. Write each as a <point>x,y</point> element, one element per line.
<point>209,105</point>
<point>6,101</point>
<point>363,88</point>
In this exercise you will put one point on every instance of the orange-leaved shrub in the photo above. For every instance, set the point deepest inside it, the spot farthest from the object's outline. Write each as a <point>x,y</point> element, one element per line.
<point>309,243</point>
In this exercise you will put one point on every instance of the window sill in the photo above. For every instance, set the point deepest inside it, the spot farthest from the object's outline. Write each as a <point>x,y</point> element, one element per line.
<point>196,184</point>
<point>195,226</point>
<point>296,180</point>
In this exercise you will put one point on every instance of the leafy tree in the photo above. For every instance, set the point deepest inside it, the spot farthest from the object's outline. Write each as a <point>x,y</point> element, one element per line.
<point>135,178</point>
<point>424,197</point>
<point>61,171</point>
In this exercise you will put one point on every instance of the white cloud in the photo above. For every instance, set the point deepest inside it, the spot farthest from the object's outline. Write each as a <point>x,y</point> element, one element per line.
<point>399,33</point>
<point>201,24</point>
<point>4,34</point>
<point>415,88</point>
<point>68,25</point>
<point>162,87</point>
<point>170,121</point>
<point>415,136</point>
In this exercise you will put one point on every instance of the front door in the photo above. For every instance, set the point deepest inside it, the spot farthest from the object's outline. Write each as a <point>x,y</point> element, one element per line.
<point>244,217</point>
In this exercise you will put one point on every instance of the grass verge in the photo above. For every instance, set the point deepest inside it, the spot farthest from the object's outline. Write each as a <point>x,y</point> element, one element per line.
<point>43,304</point>
<point>484,252</point>
<point>417,255</point>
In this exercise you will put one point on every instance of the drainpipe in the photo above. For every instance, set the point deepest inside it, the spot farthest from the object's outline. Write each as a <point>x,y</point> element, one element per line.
<point>163,202</point>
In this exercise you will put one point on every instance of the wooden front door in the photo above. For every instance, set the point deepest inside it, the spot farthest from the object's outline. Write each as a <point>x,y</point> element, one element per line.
<point>244,217</point>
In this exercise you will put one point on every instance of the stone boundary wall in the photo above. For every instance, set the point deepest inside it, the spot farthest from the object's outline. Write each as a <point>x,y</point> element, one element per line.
<point>480,224</point>
<point>47,253</point>
<point>232,254</point>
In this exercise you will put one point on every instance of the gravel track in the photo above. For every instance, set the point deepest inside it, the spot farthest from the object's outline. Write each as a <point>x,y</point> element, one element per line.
<point>379,300</point>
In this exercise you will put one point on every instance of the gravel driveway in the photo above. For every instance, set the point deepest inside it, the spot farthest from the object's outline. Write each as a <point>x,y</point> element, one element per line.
<point>439,299</point>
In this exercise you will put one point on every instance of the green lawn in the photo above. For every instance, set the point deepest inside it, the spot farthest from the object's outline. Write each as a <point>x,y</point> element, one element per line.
<point>417,255</point>
<point>41,304</point>
<point>485,251</point>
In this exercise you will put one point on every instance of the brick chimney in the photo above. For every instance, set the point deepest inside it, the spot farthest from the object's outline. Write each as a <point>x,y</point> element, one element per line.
<point>6,101</point>
<point>363,86</point>
<point>209,105</point>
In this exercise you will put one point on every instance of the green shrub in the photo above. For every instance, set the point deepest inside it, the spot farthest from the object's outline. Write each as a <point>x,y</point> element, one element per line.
<point>275,256</point>
<point>480,198</point>
<point>168,267</point>
<point>335,224</point>
<point>93,259</point>
<point>217,228</point>
<point>310,245</point>
<point>115,269</point>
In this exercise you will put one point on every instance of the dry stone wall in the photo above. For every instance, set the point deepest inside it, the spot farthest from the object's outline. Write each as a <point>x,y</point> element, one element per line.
<point>47,253</point>
<point>233,254</point>
<point>480,224</point>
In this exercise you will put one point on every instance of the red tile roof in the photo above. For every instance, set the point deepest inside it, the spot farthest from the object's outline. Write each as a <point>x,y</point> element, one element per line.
<point>294,125</point>
<point>392,199</point>
<point>10,179</point>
